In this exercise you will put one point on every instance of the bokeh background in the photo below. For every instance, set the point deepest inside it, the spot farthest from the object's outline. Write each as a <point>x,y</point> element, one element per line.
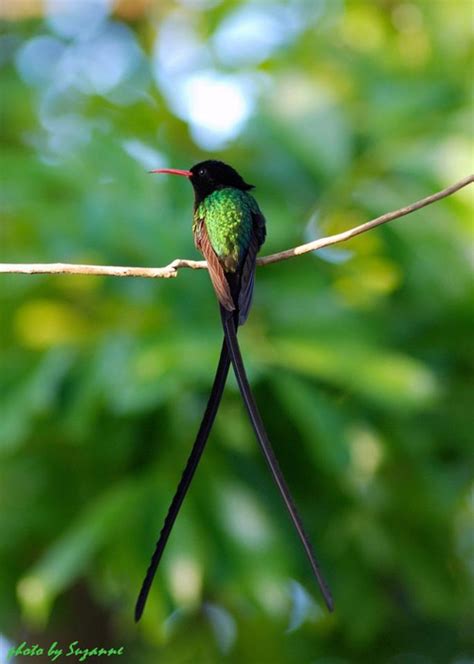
<point>361,356</point>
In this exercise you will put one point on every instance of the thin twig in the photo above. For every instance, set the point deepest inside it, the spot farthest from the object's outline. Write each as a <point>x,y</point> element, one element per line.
<point>166,272</point>
<point>171,270</point>
<point>357,230</point>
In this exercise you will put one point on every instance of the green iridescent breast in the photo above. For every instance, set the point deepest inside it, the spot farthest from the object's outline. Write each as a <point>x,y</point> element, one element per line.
<point>227,214</point>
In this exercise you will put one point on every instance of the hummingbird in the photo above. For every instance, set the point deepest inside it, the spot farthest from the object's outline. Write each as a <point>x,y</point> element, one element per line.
<point>229,229</point>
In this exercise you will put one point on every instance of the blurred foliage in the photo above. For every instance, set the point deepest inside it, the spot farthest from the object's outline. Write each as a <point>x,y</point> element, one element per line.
<point>361,356</point>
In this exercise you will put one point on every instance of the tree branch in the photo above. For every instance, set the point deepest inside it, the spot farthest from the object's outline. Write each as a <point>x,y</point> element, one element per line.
<point>171,270</point>
<point>357,230</point>
<point>165,272</point>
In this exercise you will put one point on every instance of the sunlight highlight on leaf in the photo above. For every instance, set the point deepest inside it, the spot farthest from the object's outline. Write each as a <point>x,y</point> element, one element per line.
<point>45,323</point>
<point>185,580</point>
<point>243,517</point>
<point>394,381</point>
<point>368,279</point>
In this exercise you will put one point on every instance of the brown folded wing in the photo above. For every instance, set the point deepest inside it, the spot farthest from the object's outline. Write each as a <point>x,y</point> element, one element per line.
<point>216,271</point>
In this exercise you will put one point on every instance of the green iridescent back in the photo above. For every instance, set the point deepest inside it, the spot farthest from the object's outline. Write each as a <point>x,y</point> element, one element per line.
<point>227,214</point>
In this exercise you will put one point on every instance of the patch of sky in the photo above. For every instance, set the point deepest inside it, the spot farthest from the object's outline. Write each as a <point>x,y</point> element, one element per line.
<point>5,646</point>
<point>303,607</point>
<point>313,231</point>
<point>200,4</point>
<point>223,626</point>
<point>178,49</point>
<point>94,65</point>
<point>144,154</point>
<point>37,61</point>
<point>99,64</point>
<point>252,33</point>
<point>76,20</point>
<point>106,61</point>
<point>216,105</point>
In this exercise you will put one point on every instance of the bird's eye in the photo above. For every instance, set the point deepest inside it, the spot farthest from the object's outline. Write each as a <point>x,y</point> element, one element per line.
<point>202,171</point>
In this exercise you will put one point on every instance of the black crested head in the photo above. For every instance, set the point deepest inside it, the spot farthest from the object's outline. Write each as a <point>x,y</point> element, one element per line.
<point>210,175</point>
